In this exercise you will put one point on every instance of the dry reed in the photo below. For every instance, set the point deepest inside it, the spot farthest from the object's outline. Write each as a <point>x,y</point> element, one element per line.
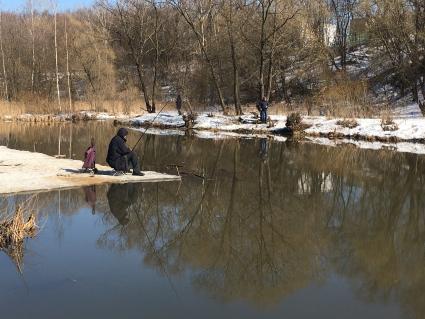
<point>14,230</point>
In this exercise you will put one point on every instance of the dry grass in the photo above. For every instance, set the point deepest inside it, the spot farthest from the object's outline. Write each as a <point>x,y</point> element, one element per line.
<point>294,121</point>
<point>14,230</point>
<point>387,123</point>
<point>346,98</point>
<point>349,123</point>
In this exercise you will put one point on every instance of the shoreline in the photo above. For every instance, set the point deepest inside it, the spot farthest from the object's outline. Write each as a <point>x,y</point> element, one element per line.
<point>408,134</point>
<point>30,172</point>
<point>410,130</point>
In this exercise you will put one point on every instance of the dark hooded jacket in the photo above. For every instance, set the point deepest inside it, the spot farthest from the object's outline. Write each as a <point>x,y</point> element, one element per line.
<point>262,105</point>
<point>117,147</point>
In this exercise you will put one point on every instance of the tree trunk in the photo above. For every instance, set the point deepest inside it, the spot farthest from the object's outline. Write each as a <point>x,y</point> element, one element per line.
<point>201,41</point>
<point>156,63</point>
<point>270,77</point>
<point>144,89</point>
<point>67,69</point>
<point>261,82</point>
<point>286,97</point>
<point>215,79</point>
<point>33,46</point>
<point>6,90</point>
<point>236,94</point>
<point>56,62</point>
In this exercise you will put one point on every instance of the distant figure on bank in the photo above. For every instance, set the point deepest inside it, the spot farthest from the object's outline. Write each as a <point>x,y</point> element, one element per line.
<point>179,104</point>
<point>262,107</point>
<point>120,156</point>
<point>90,157</point>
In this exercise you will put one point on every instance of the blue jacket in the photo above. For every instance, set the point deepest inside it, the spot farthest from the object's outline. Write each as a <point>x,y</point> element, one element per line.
<point>263,105</point>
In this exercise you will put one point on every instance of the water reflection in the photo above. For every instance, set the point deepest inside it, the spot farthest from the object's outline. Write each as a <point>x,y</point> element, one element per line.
<point>259,221</point>
<point>120,198</point>
<point>91,198</point>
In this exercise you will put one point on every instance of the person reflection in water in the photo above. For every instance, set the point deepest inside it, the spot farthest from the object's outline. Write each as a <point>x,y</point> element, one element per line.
<point>90,194</point>
<point>120,197</point>
<point>264,149</point>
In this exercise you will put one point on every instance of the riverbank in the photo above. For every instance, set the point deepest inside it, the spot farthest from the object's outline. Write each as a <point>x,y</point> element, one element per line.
<point>66,117</point>
<point>403,133</point>
<point>23,171</point>
<point>373,129</point>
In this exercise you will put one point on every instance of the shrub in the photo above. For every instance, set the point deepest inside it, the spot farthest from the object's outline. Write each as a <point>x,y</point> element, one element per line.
<point>293,121</point>
<point>388,124</point>
<point>349,123</point>
<point>189,120</point>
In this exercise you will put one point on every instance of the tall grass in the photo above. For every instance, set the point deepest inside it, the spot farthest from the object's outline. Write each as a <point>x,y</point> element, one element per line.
<point>14,229</point>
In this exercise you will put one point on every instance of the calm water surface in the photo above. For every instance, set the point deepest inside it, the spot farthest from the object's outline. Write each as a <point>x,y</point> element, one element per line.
<point>256,229</point>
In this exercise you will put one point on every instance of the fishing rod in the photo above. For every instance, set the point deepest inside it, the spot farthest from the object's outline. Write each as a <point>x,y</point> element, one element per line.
<point>149,126</point>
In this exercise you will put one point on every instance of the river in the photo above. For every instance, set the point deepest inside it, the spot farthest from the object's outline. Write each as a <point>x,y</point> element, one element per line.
<point>256,229</point>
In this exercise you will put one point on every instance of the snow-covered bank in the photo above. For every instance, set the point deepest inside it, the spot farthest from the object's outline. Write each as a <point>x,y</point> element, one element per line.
<point>369,133</point>
<point>409,129</point>
<point>245,124</point>
<point>22,171</point>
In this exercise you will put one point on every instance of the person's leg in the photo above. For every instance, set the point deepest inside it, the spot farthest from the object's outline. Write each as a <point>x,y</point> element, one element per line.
<point>134,162</point>
<point>263,116</point>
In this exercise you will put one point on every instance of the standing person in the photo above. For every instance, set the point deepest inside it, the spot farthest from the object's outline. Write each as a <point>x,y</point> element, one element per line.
<point>120,156</point>
<point>179,104</point>
<point>262,107</point>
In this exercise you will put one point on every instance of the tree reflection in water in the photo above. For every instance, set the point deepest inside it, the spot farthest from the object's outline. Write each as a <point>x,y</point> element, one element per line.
<point>259,220</point>
<point>264,224</point>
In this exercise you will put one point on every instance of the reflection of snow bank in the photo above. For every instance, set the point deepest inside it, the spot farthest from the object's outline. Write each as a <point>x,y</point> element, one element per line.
<point>403,147</point>
<point>22,171</point>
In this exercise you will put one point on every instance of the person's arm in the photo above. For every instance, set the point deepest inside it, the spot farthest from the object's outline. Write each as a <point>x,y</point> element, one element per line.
<point>123,149</point>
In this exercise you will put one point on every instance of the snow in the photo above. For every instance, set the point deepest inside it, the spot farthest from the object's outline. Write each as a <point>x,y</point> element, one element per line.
<point>210,122</point>
<point>411,129</point>
<point>23,171</point>
<point>171,120</point>
<point>403,147</point>
<point>408,111</point>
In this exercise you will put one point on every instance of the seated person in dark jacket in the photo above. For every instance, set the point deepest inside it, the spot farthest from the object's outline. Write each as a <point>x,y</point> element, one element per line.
<point>120,156</point>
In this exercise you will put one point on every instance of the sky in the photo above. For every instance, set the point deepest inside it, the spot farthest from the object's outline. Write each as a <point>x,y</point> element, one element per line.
<point>63,5</point>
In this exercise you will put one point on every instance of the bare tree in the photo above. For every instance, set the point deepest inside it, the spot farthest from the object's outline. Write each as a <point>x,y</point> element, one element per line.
<point>32,31</point>
<point>229,9</point>
<point>196,24</point>
<point>6,91</point>
<point>342,14</point>
<point>54,4</point>
<point>68,75</point>
<point>129,28</point>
